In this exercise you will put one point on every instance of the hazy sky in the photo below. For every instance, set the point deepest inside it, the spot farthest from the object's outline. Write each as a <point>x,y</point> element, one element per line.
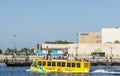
<point>36,21</point>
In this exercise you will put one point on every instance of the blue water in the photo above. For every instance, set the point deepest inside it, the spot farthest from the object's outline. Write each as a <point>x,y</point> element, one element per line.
<point>25,71</point>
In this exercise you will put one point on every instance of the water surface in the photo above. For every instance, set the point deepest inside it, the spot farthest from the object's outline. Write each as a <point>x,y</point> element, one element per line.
<point>25,71</point>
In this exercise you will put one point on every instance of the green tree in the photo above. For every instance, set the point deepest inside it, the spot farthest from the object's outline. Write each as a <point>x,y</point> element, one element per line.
<point>32,51</point>
<point>26,51</point>
<point>0,51</point>
<point>116,41</point>
<point>63,42</point>
<point>10,51</point>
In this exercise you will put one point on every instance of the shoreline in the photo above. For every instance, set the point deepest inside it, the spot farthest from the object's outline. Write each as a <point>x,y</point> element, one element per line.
<point>101,61</point>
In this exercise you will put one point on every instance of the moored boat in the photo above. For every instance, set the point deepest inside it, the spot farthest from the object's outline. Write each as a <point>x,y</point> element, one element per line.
<point>63,66</point>
<point>13,64</point>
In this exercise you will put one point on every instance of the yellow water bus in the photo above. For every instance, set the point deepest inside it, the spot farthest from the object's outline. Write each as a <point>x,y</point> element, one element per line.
<point>64,66</point>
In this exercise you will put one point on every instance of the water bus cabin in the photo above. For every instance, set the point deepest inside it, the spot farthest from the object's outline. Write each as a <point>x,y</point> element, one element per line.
<point>64,66</point>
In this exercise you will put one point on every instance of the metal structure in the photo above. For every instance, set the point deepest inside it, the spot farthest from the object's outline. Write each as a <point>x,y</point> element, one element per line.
<point>14,42</point>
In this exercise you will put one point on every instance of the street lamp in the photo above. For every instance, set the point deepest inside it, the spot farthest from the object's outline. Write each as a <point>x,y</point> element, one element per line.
<point>77,38</point>
<point>76,48</point>
<point>111,48</point>
<point>14,42</point>
<point>14,46</point>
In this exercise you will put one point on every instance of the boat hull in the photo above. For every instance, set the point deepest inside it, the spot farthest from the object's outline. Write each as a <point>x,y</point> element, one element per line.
<point>13,64</point>
<point>62,70</point>
<point>47,66</point>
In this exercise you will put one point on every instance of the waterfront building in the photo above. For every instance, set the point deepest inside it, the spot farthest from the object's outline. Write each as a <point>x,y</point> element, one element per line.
<point>83,50</point>
<point>110,35</point>
<point>89,44</point>
<point>42,50</point>
<point>89,37</point>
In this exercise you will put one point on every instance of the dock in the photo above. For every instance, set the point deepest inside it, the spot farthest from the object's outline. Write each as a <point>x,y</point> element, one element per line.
<point>98,61</point>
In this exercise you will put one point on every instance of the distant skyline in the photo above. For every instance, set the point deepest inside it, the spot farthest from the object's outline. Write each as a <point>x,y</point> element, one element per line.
<point>37,21</point>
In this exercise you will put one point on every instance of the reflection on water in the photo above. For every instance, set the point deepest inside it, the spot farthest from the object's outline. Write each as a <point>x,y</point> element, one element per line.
<point>60,74</point>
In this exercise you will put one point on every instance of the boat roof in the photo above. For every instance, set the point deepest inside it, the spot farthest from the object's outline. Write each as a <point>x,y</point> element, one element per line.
<point>61,60</point>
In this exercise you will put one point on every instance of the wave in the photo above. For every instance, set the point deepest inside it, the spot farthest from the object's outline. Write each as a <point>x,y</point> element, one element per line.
<point>99,71</point>
<point>106,71</point>
<point>28,70</point>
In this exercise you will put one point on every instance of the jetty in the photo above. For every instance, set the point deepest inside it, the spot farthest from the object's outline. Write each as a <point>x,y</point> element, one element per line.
<point>97,61</point>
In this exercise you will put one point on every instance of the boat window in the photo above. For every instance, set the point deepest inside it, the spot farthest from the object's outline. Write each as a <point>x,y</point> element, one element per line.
<point>86,65</point>
<point>63,64</point>
<point>44,63</point>
<point>73,64</point>
<point>58,63</point>
<point>68,64</point>
<point>78,65</point>
<point>39,63</point>
<point>33,64</point>
<point>49,64</point>
<point>53,64</point>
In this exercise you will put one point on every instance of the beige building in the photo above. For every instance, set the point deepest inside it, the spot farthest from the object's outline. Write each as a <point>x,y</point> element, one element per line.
<point>90,37</point>
<point>86,49</point>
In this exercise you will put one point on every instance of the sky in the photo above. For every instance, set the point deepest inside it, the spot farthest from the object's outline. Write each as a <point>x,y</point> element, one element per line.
<point>37,21</point>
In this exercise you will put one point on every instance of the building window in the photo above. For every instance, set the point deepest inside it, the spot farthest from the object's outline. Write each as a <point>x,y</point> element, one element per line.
<point>100,54</point>
<point>84,34</point>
